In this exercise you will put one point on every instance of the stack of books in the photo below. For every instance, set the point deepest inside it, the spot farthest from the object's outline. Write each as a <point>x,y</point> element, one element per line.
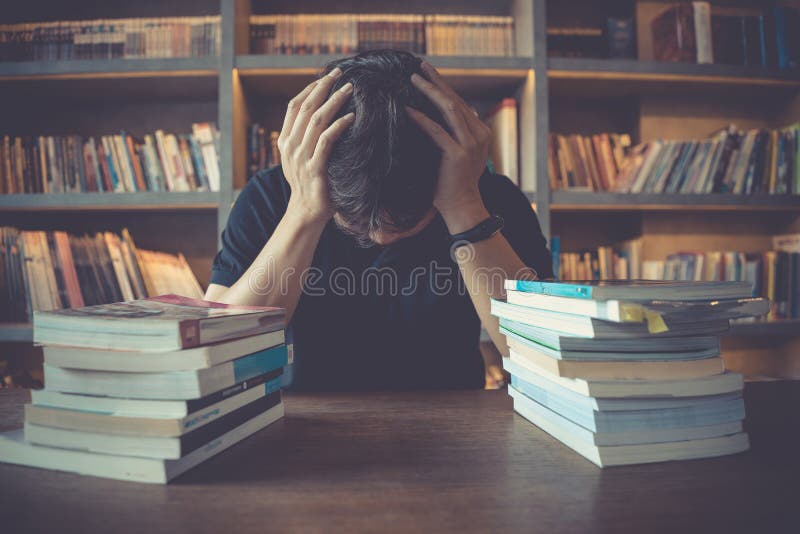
<point>146,390</point>
<point>627,373</point>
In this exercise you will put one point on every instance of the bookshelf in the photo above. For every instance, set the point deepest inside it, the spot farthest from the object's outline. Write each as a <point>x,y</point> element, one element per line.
<point>565,95</point>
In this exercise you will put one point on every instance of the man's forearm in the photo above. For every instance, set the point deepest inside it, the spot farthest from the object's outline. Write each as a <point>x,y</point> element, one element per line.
<point>275,277</point>
<point>484,266</point>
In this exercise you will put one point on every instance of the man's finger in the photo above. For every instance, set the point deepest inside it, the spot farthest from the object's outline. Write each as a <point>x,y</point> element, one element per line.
<point>435,77</point>
<point>294,108</point>
<point>322,118</point>
<point>318,95</point>
<point>434,130</point>
<point>329,137</point>
<point>449,107</point>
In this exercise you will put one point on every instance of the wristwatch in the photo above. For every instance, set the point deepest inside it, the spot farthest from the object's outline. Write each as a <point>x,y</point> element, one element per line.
<point>486,229</point>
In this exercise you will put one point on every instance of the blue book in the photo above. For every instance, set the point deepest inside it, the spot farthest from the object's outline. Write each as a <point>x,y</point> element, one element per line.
<point>565,342</point>
<point>635,290</point>
<point>625,448</point>
<point>700,411</point>
<point>174,385</point>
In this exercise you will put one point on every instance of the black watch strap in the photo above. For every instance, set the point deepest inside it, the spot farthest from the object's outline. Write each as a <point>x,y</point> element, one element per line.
<point>486,229</point>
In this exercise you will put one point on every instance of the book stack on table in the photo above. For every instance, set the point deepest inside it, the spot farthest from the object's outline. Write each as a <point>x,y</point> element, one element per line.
<point>627,372</point>
<point>145,390</point>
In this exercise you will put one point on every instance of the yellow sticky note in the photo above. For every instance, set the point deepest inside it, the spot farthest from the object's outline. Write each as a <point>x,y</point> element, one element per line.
<point>655,323</point>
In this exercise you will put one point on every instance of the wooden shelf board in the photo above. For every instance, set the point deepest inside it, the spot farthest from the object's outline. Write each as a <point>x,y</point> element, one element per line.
<point>143,201</point>
<point>110,68</point>
<point>602,201</point>
<point>286,75</point>
<point>790,327</point>
<point>600,77</point>
<point>16,332</point>
<point>120,80</point>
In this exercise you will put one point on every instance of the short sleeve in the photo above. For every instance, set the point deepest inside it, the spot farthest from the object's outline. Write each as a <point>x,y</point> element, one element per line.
<point>253,218</point>
<point>521,228</point>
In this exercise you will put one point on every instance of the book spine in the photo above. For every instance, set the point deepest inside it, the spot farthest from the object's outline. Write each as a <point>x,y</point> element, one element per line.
<point>702,29</point>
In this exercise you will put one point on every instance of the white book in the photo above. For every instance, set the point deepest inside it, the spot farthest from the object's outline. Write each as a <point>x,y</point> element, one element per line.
<point>567,342</point>
<point>609,404</point>
<point>708,385</point>
<point>204,136</point>
<point>157,362</point>
<point>576,438</point>
<point>166,162</point>
<point>183,385</point>
<point>639,425</point>
<point>157,324</point>
<point>15,450</point>
<point>589,327</point>
<point>600,355</point>
<point>167,447</point>
<point>621,311</point>
<point>94,420</point>
<point>702,31</point>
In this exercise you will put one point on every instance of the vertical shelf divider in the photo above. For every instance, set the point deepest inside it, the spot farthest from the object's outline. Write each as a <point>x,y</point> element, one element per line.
<point>542,110</point>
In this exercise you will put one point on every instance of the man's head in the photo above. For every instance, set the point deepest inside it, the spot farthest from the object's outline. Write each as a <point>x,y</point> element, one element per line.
<point>382,171</point>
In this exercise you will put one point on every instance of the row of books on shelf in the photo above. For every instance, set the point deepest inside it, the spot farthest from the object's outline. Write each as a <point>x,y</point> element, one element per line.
<point>147,389</point>
<point>129,38</point>
<point>731,161</point>
<point>42,271</point>
<point>773,274</point>
<point>262,148</point>
<point>442,35</point>
<point>614,39</point>
<point>698,32</point>
<point>111,163</point>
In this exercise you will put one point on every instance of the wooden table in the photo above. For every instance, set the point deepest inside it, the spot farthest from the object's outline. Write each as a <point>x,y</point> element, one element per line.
<point>425,462</point>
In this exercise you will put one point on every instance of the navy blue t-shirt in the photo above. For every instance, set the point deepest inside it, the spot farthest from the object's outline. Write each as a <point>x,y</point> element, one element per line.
<point>384,317</point>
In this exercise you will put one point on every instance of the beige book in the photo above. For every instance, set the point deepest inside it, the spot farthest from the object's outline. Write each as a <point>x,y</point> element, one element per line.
<point>117,262</point>
<point>616,370</point>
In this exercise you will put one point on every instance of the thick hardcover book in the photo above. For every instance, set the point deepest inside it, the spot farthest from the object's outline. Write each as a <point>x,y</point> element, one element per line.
<point>674,37</point>
<point>171,448</point>
<point>581,440</point>
<point>635,290</point>
<point>168,322</point>
<point>171,385</point>
<point>14,449</point>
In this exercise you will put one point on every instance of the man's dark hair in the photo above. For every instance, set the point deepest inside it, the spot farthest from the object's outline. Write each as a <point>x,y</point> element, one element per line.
<point>382,171</point>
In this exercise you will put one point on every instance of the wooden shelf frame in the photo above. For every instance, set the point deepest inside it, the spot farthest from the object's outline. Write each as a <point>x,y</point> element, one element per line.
<point>118,69</point>
<point>16,333</point>
<point>565,201</point>
<point>139,201</point>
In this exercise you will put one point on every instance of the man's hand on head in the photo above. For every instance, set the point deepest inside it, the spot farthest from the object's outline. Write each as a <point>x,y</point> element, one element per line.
<point>464,152</point>
<point>305,144</point>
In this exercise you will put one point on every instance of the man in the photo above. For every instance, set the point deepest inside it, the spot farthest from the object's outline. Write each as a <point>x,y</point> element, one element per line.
<point>382,233</point>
